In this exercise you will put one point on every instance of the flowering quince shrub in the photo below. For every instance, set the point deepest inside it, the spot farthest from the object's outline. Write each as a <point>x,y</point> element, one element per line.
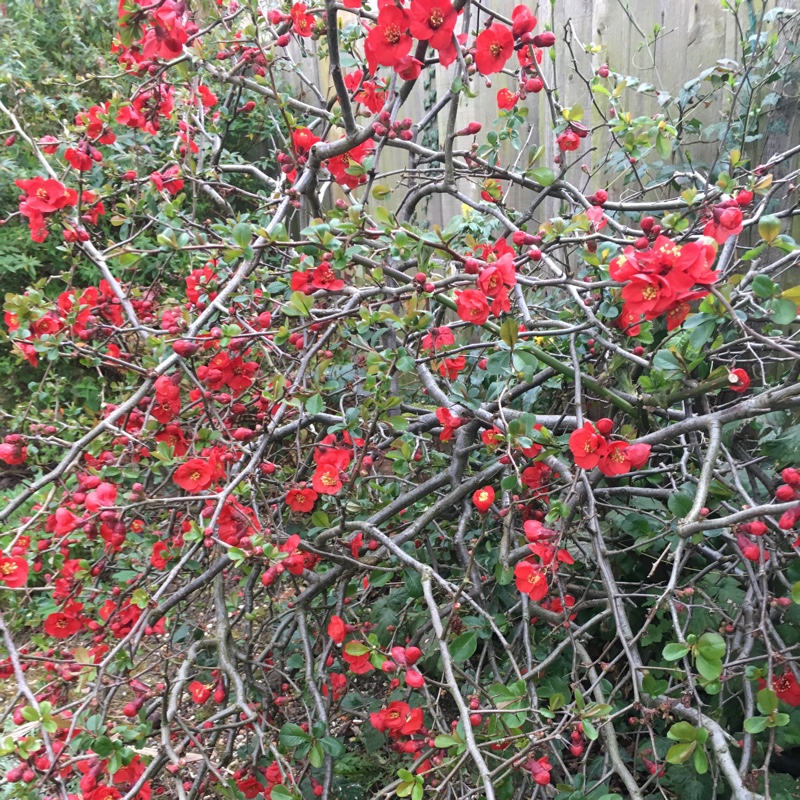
<point>366,506</point>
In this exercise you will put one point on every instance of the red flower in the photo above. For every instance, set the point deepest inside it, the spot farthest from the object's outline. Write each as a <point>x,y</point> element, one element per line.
<point>14,453</point>
<point>472,306</point>
<point>787,688</point>
<point>450,423</point>
<point>79,159</point>
<point>338,165</point>
<point>160,555</point>
<point>523,21</point>
<point>450,367</point>
<point>173,437</point>
<point>410,68</point>
<point>337,629</point>
<point>398,718</point>
<point>326,479</point>
<point>531,580</point>
<point>167,36</point>
<point>414,679</point>
<point>438,337</point>
<point>303,22</point>
<point>587,446</point>
<point>46,195</point>
<point>62,624</point>
<point>483,498</point>
<point>104,496</point>
<point>357,657</point>
<point>389,41</point>
<point>301,500</point>
<point>750,550</point>
<point>507,99</point>
<point>433,21</point>
<point>492,438</point>
<point>323,278</point>
<point>199,692</point>
<point>338,684</point>
<point>493,48</point>
<point>614,460</point>
<point>194,475</point>
<point>726,221</point>
<point>739,379</point>
<point>540,770</point>
<point>13,572</point>
<point>568,141</point>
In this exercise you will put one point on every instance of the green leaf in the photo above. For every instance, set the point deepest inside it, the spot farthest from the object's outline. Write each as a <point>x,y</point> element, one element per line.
<point>543,176</point>
<point>242,234</point>
<point>679,504</point>
<point>767,701</point>
<point>755,724</point>
<point>680,753</point>
<point>796,593</point>
<point>709,668</point>
<point>103,746</point>
<point>682,732</point>
<point>292,735</point>
<point>30,713</point>
<point>763,287</point>
<point>674,651</point>
<point>663,146</point>
<point>589,730</point>
<point>315,404</point>
<point>280,792</point>
<point>443,741</point>
<point>769,227</point>
<point>700,761</point>
<point>784,311</point>
<point>711,646</point>
<point>509,331</point>
<point>464,646</point>
<point>780,720</point>
<point>333,747</point>
<point>418,791</point>
<point>316,756</point>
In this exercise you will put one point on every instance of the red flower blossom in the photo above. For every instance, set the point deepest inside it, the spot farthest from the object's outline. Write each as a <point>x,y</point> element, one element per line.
<point>472,306</point>
<point>493,48</point>
<point>739,380</point>
<point>104,496</point>
<point>167,36</point>
<point>13,572</point>
<point>726,221</point>
<point>301,500</point>
<point>337,629</point>
<point>303,21</point>
<point>483,498</point>
<point>587,446</point>
<point>398,718</point>
<point>323,278</point>
<point>451,367</point>
<point>492,438</point>
<point>568,141</point>
<point>199,692</point>
<point>357,657</point>
<point>506,99</point>
<point>194,475</point>
<point>79,159</point>
<point>787,688</point>
<point>13,453</point>
<point>389,41</point>
<point>438,337</point>
<point>523,21</point>
<point>540,770</point>
<point>326,479</point>
<point>338,684</point>
<point>531,580</point>
<point>433,21</point>
<point>450,423</point>
<point>338,165</point>
<point>62,624</point>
